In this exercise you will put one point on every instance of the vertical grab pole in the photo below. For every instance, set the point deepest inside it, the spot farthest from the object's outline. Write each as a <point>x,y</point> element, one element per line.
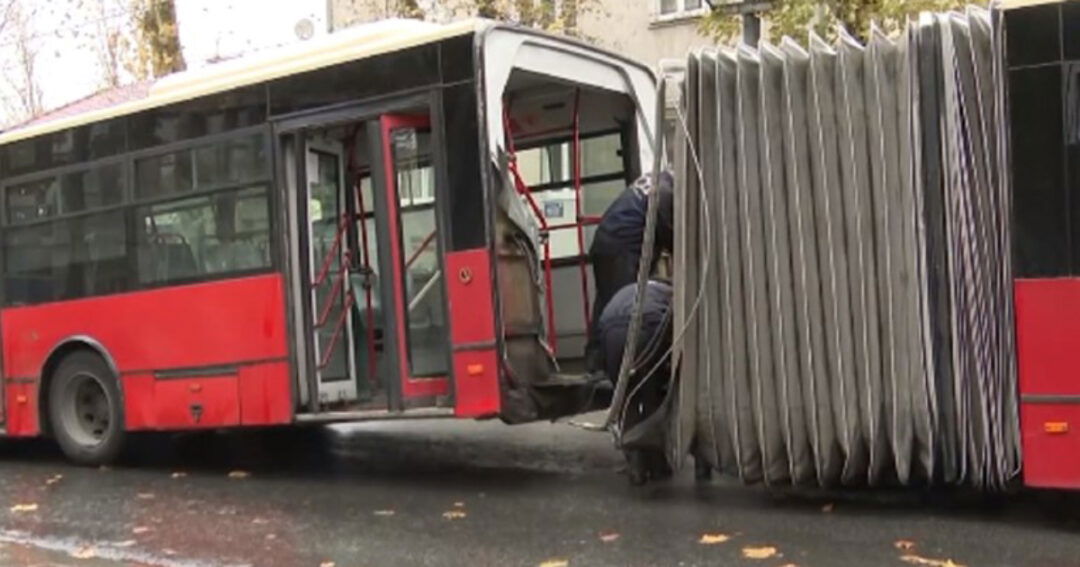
<point>578,216</point>
<point>618,399</point>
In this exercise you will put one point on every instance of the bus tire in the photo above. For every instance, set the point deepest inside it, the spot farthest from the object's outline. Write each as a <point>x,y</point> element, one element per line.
<point>86,411</point>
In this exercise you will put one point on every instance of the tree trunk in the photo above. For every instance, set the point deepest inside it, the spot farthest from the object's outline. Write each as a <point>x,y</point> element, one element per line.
<point>159,31</point>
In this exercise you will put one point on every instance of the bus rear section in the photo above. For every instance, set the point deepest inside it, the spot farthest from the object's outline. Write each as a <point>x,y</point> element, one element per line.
<point>387,223</point>
<point>877,271</point>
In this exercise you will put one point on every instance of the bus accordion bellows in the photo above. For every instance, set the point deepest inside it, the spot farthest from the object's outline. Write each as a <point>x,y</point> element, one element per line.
<point>879,279</point>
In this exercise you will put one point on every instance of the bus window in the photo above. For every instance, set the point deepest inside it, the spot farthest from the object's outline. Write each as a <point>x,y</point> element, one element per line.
<point>547,170</point>
<point>204,236</point>
<point>424,298</point>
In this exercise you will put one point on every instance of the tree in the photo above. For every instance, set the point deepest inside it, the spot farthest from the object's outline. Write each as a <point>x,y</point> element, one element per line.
<point>559,16</point>
<point>410,9</point>
<point>111,40</point>
<point>796,18</point>
<point>22,77</point>
<point>157,39</point>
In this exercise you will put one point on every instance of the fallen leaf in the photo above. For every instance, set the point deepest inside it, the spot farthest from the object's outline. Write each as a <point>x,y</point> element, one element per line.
<point>139,530</point>
<point>928,562</point>
<point>144,496</point>
<point>764,552</point>
<point>24,508</point>
<point>904,545</point>
<point>179,474</point>
<point>555,563</point>
<point>326,564</point>
<point>125,543</point>
<point>453,514</point>
<point>827,508</point>
<point>713,539</point>
<point>239,474</point>
<point>608,537</point>
<point>384,513</point>
<point>88,552</point>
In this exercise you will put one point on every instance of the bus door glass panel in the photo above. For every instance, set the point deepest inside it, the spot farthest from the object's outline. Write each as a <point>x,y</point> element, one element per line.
<point>369,325</point>
<point>331,294</point>
<point>420,288</point>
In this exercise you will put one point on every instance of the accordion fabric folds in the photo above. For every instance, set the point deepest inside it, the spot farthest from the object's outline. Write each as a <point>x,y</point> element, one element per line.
<point>843,305</point>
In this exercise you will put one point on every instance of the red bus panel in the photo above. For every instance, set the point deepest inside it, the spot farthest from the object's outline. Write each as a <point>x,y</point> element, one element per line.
<point>472,333</point>
<point>235,327</point>
<point>1048,358</point>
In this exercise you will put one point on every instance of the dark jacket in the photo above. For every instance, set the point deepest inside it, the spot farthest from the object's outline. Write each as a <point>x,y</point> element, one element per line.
<point>622,228</point>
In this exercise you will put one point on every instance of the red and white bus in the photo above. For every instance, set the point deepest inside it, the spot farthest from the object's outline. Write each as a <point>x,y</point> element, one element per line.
<point>315,235</point>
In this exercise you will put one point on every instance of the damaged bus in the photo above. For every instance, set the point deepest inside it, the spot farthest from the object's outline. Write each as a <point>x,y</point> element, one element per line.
<point>390,222</point>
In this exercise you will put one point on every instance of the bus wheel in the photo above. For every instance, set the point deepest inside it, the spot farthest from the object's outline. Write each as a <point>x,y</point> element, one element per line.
<point>85,410</point>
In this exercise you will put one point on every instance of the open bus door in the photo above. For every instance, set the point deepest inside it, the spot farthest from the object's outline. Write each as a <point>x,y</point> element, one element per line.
<point>418,331</point>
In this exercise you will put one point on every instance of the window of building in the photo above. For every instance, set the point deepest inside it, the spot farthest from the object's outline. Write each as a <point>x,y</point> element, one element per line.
<point>675,9</point>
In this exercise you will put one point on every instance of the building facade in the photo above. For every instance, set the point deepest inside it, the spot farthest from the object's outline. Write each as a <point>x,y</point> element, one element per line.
<point>645,30</point>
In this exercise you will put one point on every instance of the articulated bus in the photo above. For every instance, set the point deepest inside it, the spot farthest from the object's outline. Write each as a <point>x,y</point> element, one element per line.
<point>387,222</point>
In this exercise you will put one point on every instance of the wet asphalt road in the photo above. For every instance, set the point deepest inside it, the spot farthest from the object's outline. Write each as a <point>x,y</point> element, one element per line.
<point>464,493</point>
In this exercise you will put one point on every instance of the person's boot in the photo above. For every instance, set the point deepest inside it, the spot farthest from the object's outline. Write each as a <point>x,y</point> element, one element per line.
<point>702,470</point>
<point>637,469</point>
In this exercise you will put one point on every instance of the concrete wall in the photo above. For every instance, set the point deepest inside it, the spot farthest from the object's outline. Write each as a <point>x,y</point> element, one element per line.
<point>630,27</point>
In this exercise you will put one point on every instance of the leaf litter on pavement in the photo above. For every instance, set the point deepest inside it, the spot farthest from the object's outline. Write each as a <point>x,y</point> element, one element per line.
<point>929,562</point>
<point>763,552</point>
<point>713,539</point>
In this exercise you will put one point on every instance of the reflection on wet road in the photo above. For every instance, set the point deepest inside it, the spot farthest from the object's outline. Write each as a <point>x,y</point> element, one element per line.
<point>464,493</point>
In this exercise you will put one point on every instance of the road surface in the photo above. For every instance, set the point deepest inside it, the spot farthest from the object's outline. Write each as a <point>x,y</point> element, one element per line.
<point>466,493</point>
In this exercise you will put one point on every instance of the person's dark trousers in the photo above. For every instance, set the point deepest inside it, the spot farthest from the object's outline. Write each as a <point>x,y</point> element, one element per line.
<point>613,269</point>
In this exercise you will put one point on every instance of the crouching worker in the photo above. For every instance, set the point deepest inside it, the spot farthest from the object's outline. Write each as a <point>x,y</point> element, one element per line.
<point>642,417</point>
<point>616,249</point>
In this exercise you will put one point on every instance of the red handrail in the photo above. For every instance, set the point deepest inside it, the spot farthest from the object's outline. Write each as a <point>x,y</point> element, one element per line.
<point>579,224</point>
<point>423,246</point>
<point>370,315</point>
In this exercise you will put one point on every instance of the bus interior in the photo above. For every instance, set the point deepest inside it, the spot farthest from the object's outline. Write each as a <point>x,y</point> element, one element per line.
<point>370,216</point>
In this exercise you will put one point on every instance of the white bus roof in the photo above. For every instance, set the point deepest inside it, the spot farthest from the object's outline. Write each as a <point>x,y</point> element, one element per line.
<point>356,43</point>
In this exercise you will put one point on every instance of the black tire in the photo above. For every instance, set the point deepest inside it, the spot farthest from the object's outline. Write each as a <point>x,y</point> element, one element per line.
<point>86,411</point>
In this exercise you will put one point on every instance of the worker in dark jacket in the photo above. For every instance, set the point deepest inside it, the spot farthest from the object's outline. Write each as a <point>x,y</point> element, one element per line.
<point>650,375</point>
<point>616,248</point>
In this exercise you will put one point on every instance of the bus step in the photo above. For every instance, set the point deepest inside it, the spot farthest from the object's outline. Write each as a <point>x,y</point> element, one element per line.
<point>565,381</point>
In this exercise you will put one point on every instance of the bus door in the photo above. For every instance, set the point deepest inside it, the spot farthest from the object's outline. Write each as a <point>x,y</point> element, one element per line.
<point>407,202</point>
<point>330,291</point>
